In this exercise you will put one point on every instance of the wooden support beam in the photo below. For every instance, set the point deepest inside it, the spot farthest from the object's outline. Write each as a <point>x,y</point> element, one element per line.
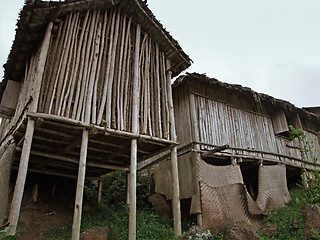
<point>76,143</point>
<point>134,142</point>
<point>252,165</point>
<point>48,172</point>
<point>215,150</point>
<point>80,186</point>
<point>153,157</point>
<point>21,178</point>
<point>174,161</point>
<point>102,129</point>
<point>106,143</point>
<point>50,140</point>
<point>75,161</point>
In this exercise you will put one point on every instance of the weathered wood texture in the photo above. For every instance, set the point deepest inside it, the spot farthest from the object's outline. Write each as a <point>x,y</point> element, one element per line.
<point>246,132</point>
<point>27,95</point>
<point>7,152</point>
<point>90,69</point>
<point>182,115</point>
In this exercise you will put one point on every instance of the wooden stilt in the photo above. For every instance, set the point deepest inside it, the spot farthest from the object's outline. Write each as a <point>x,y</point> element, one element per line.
<point>132,190</point>
<point>199,220</point>
<point>134,142</point>
<point>128,188</point>
<point>99,191</point>
<point>21,178</point>
<point>176,193</point>
<point>174,162</point>
<point>195,138</point>
<point>80,186</point>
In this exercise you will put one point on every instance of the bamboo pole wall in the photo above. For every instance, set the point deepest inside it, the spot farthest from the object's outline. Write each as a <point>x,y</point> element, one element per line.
<point>221,124</point>
<point>90,69</point>
<point>248,133</point>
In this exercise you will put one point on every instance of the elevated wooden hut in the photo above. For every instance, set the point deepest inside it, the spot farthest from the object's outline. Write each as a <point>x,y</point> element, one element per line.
<point>87,90</point>
<point>235,141</point>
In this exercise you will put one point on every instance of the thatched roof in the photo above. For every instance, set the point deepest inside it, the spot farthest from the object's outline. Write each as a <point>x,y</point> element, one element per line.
<point>249,93</point>
<point>36,14</point>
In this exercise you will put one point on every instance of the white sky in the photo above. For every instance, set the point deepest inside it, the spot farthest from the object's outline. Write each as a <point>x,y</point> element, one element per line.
<point>271,46</point>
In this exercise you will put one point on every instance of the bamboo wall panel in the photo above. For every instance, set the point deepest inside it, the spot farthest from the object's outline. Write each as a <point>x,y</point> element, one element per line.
<point>312,144</point>
<point>292,148</point>
<point>182,115</point>
<point>223,95</point>
<point>288,148</point>
<point>221,124</point>
<point>90,70</point>
<point>249,133</point>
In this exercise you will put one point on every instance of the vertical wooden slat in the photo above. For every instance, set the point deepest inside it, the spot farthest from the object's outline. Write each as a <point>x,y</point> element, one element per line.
<point>75,92</point>
<point>112,71</point>
<point>71,72</point>
<point>98,72</point>
<point>92,79</point>
<point>121,73</point>
<point>127,79</point>
<point>87,68</point>
<point>63,62</point>
<point>81,68</point>
<point>125,75</point>
<point>107,78</point>
<point>64,78</point>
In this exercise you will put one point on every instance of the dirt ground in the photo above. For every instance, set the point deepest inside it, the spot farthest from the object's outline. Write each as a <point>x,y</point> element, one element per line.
<point>47,202</point>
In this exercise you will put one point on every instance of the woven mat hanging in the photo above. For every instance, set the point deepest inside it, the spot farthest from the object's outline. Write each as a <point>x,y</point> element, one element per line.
<point>273,191</point>
<point>223,206</point>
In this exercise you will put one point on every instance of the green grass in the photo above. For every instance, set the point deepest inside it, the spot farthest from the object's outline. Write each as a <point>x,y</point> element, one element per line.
<point>114,214</point>
<point>150,226</point>
<point>283,217</point>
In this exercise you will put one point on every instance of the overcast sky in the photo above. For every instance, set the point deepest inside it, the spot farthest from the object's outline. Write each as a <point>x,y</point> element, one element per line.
<point>271,46</point>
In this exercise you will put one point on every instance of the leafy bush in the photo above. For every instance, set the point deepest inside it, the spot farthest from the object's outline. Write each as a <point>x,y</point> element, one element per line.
<point>114,188</point>
<point>313,192</point>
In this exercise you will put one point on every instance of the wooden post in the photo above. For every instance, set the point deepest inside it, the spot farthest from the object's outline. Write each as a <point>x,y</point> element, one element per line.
<point>195,137</point>
<point>25,154</point>
<point>80,186</point>
<point>134,142</point>
<point>21,178</point>
<point>99,191</point>
<point>128,188</point>
<point>174,161</point>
